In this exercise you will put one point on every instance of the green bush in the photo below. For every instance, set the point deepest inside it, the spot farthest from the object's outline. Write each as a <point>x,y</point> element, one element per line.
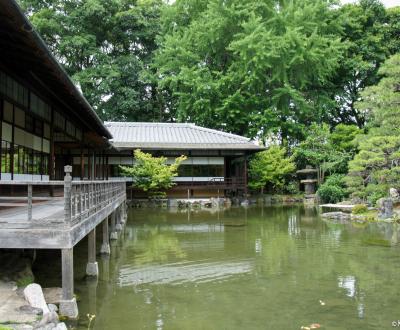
<point>359,209</point>
<point>292,188</point>
<point>375,192</point>
<point>332,190</point>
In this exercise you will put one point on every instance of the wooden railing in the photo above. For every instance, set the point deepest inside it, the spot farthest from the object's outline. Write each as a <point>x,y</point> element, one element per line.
<point>219,181</point>
<point>81,198</point>
<point>88,197</point>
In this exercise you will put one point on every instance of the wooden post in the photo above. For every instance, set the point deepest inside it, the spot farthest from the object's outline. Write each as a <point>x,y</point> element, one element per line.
<point>92,268</point>
<point>68,305</point>
<point>29,202</point>
<point>118,227</point>
<point>245,177</point>
<point>105,246</point>
<point>113,234</point>
<point>67,193</point>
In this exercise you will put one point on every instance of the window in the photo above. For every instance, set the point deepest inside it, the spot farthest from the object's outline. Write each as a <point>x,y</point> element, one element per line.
<point>46,131</point>
<point>201,170</point>
<point>8,112</point>
<point>59,120</point>
<point>39,107</point>
<point>13,89</point>
<point>5,157</point>
<point>29,123</point>
<point>19,118</point>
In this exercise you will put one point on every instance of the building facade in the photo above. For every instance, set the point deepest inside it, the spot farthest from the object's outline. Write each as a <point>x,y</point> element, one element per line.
<point>216,161</point>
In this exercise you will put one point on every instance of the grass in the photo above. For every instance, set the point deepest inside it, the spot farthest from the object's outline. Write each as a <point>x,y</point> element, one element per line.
<point>24,281</point>
<point>3,327</point>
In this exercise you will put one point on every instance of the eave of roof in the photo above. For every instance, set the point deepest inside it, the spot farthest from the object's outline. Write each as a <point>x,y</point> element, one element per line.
<point>175,136</point>
<point>49,62</point>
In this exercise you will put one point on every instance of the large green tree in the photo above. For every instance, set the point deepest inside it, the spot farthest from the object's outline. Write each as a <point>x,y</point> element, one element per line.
<point>252,67</point>
<point>376,167</point>
<point>371,34</point>
<point>106,47</point>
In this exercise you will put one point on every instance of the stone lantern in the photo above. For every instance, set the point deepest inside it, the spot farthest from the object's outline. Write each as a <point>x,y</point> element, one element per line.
<point>310,180</point>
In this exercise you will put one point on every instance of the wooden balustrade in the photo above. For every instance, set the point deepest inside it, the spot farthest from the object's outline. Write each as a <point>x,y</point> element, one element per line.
<point>82,199</point>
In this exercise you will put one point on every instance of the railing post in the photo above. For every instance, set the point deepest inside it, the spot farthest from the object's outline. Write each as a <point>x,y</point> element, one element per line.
<point>67,193</point>
<point>29,202</point>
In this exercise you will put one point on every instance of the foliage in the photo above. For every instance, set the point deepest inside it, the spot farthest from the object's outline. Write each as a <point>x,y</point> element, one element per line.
<point>332,190</point>
<point>106,47</point>
<point>359,209</point>
<point>270,167</point>
<point>326,151</point>
<point>376,167</point>
<point>366,34</point>
<point>251,67</point>
<point>152,173</point>
<point>343,137</point>
<point>292,187</point>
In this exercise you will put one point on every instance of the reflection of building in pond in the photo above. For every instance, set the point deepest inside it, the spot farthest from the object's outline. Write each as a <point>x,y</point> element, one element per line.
<point>183,272</point>
<point>349,284</point>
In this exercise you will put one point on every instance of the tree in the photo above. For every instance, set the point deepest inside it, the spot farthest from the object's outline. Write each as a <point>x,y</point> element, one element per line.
<point>250,67</point>
<point>106,47</point>
<point>270,167</point>
<point>343,137</point>
<point>152,174</point>
<point>376,167</point>
<point>371,35</point>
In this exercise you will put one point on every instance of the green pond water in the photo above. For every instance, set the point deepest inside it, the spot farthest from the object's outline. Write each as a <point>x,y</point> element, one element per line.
<point>241,268</point>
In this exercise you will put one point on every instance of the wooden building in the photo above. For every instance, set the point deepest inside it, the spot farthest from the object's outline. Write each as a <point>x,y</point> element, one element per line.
<point>44,123</point>
<point>216,163</point>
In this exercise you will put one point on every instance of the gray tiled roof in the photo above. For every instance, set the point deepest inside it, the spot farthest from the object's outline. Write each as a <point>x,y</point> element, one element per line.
<point>174,136</point>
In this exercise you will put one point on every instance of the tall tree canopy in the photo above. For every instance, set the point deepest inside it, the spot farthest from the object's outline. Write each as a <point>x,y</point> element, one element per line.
<point>106,47</point>
<point>376,167</point>
<point>253,67</point>
<point>369,31</point>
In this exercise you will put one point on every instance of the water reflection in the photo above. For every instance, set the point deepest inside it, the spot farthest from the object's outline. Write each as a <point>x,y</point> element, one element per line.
<point>171,273</point>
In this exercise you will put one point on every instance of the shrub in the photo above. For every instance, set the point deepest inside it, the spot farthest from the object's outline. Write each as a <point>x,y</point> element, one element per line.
<point>292,188</point>
<point>359,209</point>
<point>332,190</point>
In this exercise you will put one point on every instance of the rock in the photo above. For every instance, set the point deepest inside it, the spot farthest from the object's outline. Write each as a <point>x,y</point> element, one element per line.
<point>52,307</point>
<point>20,326</point>
<point>244,203</point>
<point>31,310</point>
<point>49,318</point>
<point>52,295</point>
<point>394,193</point>
<point>34,295</point>
<point>61,326</point>
<point>336,215</point>
<point>49,326</point>
<point>10,303</point>
<point>385,208</point>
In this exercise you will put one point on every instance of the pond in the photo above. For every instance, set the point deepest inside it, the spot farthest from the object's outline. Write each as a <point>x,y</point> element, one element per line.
<point>242,268</point>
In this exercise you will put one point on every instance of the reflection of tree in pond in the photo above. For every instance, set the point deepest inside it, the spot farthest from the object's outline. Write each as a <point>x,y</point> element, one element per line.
<point>159,246</point>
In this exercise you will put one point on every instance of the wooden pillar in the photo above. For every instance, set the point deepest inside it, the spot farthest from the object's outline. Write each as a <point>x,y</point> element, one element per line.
<point>118,227</point>
<point>245,176</point>
<point>92,268</point>
<point>94,173</point>
<point>67,193</point>
<point>82,165</point>
<point>68,305</point>
<point>105,246</point>
<point>113,234</point>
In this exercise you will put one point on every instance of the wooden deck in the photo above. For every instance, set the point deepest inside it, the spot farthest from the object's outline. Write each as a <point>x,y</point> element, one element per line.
<point>59,222</point>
